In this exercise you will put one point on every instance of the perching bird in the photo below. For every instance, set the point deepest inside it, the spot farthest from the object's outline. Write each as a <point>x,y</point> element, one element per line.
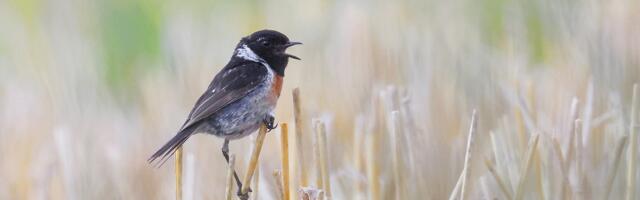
<point>241,96</point>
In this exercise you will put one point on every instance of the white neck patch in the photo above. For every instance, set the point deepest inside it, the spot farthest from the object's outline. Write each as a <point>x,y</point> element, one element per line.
<point>246,53</point>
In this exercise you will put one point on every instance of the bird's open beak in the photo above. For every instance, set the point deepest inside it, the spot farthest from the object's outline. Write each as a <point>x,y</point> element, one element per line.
<point>290,44</point>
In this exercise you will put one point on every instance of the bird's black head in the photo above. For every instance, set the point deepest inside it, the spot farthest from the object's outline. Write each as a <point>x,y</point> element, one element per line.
<point>267,46</point>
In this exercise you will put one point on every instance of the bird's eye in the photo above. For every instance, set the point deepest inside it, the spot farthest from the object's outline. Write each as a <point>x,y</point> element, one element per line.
<point>265,43</point>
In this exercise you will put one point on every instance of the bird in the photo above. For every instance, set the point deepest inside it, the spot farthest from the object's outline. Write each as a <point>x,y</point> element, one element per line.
<point>241,97</point>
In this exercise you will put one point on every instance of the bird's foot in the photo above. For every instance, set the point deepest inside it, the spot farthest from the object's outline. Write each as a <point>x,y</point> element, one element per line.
<point>244,196</point>
<point>269,122</point>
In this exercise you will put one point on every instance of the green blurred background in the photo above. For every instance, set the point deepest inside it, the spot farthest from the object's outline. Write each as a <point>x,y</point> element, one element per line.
<point>90,88</point>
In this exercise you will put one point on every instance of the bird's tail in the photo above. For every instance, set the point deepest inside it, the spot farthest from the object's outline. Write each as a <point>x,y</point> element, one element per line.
<point>166,151</point>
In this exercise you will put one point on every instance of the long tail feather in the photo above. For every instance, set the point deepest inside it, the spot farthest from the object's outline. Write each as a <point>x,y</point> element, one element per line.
<point>168,149</point>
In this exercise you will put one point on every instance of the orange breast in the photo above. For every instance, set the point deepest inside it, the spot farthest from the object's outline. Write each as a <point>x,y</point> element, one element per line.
<point>277,86</point>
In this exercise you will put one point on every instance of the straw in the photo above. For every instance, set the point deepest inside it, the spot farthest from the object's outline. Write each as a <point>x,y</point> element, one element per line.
<point>461,184</point>
<point>526,166</point>
<point>499,180</point>
<point>255,155</point>
<point>297,113</point>
<point>318,157</point>
<point>178,173</point>
<point>632,158</point>
<point>616,163</point>
<point>284,143</point>
<point>280,189</point>
<point>373,174</point>
<point>397,161</point>
<point>324,171</point>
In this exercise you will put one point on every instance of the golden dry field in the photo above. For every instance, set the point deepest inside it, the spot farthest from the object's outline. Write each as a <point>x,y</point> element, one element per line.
<point>89,89</point>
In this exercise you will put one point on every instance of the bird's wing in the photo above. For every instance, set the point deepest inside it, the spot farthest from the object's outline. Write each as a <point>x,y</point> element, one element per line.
<point>228,86</point>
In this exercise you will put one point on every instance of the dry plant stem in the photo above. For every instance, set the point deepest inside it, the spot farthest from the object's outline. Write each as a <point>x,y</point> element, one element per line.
<point>229,190</point>
<point>277,176</point>
<point>580,191</point>
<point>253,163</point>
<point>358,153</point>
<point>456,188</point>
<point>616,163</point>
<point>570,150</point>
<point>395,148</point>
<point>297,113</point>
<point>632,158</point>
<point>256,184</point>
<point>372,168</point>
<point>318,156</point>
<point>465,169</point>
<point>526,166</point>
<point>179,173</point>
<point>284,144</point>
<point>565,190</point>
<point>499,180</point>
<point>324,162</point>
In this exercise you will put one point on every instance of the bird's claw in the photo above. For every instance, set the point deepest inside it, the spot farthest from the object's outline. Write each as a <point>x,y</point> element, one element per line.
<point>244,196</point>
<point>269,123</point>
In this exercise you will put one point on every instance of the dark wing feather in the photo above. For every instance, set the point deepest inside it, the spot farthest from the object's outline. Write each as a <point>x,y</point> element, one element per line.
<point>228,86</point>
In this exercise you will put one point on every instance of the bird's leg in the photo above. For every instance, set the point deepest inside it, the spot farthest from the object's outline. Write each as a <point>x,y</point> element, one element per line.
<point>225,153</point>
<point>269,122</point>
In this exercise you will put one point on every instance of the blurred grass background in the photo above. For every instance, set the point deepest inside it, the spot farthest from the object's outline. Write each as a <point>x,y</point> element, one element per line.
<point>89,89</point>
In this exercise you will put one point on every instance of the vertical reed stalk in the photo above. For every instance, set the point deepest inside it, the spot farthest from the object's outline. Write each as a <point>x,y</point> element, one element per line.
<point>253,163</point>
<point>179,173</point>
<point>324,162</point>
<point>318,157</point>
<point>461,184</point>
<point>580,191</point>
<point>358,152</point>
<point>372,168</point>
<point>256,184</point>
<point>277,176</point>
<point>284,144</point>
<point>297,113</point>
<point>616,163</point>
<point>397,162</point>
<point>565,189</point>
<point>467,170</point>
<point>632,155</point>
<point>229,190</point>
<point>526,165</point>
<point>499,180</point>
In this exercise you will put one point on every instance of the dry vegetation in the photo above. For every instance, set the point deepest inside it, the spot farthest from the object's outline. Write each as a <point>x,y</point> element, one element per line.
<point>397,100</point>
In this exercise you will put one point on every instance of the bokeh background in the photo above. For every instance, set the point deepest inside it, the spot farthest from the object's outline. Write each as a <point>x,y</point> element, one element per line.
<point>90,88</point>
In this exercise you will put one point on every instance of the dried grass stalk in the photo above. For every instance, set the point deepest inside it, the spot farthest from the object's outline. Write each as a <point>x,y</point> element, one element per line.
<point>279,186</point>
<point>284,144</point>
<point>318,157</point>
<point>179,173</point>
<point>565,189</point>
<point>256,184</point>
<point>229,190</point>
<point>397,162</point>
<point>372,167</point>
<point>579,151</point>
<point>297,113</point>
<point>615,165</point>
<point>527,162</point>
<point>633,149</point>
<point>324,162</point>
<point>253,163</point>
<point>503,187</point>
<point>461,184</point>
